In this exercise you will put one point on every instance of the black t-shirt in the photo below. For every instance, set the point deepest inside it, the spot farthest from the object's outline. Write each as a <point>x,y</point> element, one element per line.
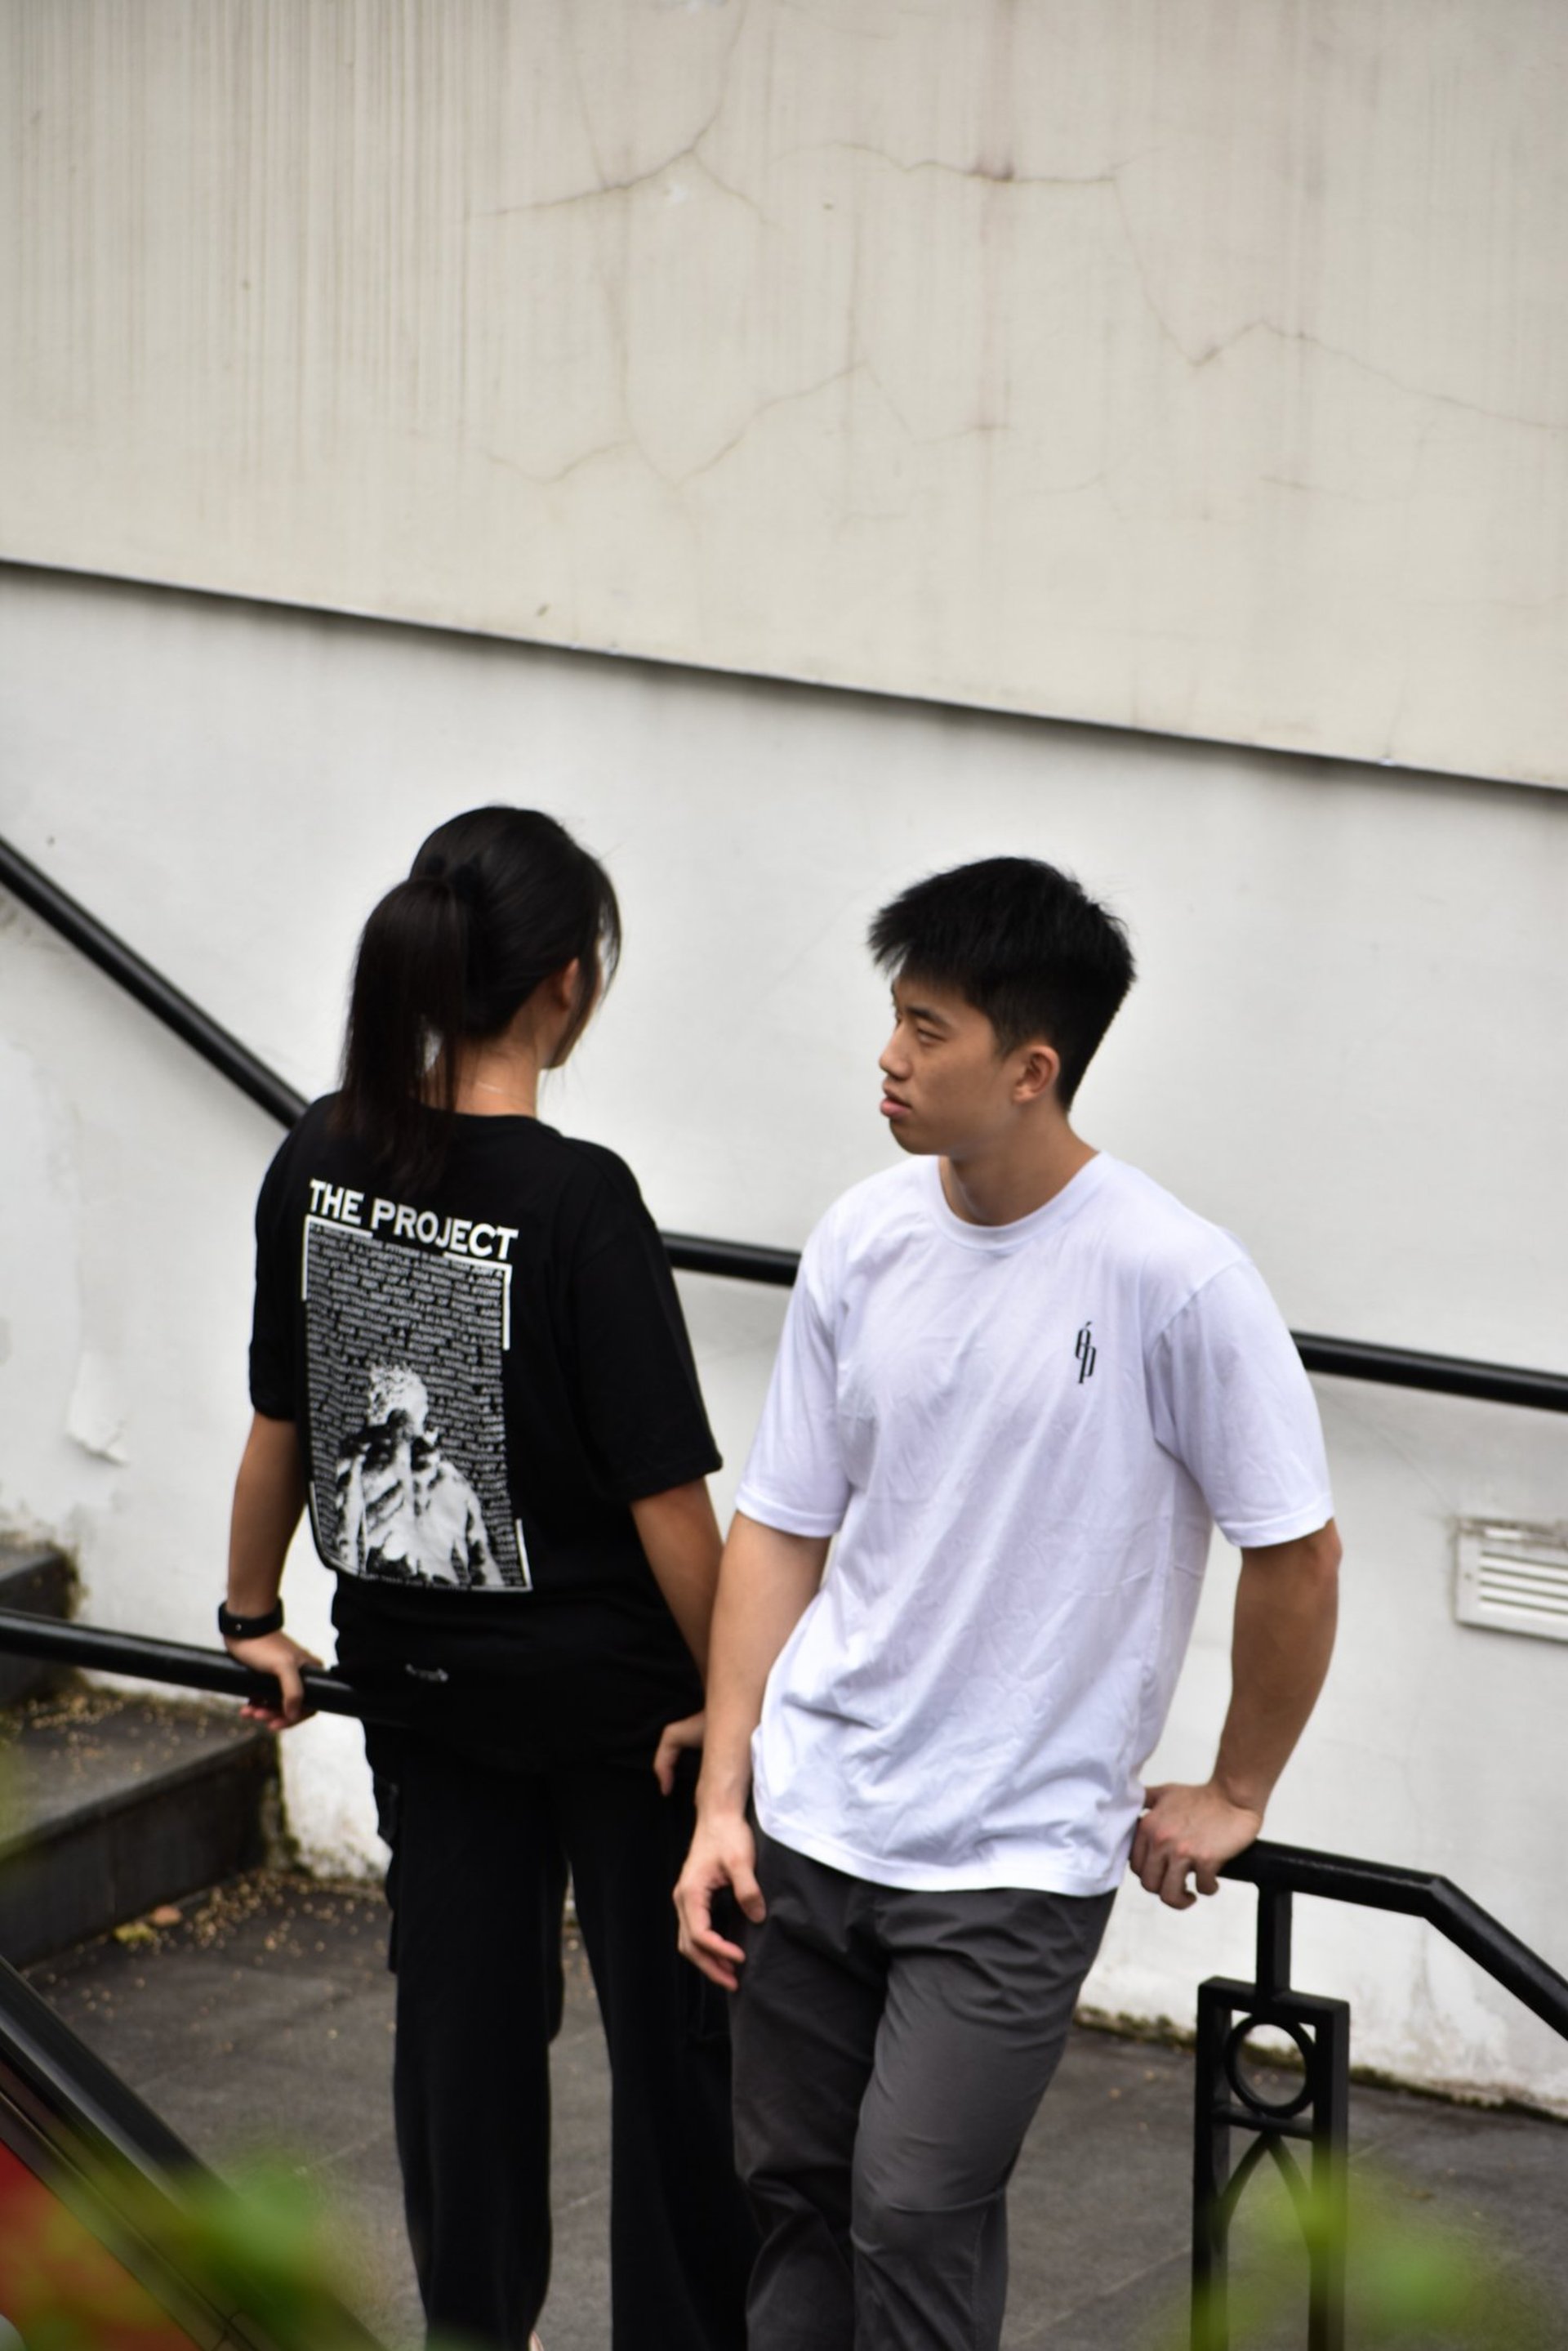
<point>484,1378</point>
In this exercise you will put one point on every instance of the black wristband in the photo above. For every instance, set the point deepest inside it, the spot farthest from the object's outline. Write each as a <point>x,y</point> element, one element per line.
<point>248,1628</point>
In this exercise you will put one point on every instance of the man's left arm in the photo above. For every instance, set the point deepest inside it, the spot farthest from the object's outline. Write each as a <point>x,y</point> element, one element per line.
<point>1286,1606</point>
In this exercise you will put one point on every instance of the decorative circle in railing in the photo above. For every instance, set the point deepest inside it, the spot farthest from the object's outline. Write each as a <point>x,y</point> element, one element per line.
<point>1274,2110</point>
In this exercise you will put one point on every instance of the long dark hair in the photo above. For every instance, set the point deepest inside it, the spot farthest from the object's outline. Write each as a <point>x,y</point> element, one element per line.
<point>495,900</point>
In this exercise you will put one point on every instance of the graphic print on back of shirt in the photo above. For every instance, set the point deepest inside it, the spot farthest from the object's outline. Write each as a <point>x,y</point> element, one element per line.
<point>408,1435</point>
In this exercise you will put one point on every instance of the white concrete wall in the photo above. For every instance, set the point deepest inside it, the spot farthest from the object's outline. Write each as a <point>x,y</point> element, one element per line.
<point>1345,1043</point>
<point>1168,363</point>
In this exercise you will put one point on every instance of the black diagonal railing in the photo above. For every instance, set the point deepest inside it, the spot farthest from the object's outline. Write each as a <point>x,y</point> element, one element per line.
<point>1351,1359</point>
<point>158,995</point>
<point>1278,1871</point>
<point>177,1663</point>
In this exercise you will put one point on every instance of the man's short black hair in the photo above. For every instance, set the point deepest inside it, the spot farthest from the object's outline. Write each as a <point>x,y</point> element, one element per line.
<point>1022,944</point>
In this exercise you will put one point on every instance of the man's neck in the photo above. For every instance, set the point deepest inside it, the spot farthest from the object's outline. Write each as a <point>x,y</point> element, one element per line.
<point>998,1188</point>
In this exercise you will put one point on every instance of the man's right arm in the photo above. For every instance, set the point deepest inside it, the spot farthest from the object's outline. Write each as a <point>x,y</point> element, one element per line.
<point>766,1583</point>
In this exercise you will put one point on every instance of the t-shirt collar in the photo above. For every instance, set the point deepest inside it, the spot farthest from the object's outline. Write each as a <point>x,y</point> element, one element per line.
<point>1001,1239</point>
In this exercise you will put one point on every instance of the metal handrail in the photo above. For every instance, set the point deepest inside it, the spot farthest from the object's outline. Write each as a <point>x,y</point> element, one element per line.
<point>1407,1368</point>
<point>1273,1869</point>
<point>1345,1359</point>
<point>733,1260</point>
<point>1352,1359</point>
<point>139,978</point>
<point>1287,1869</point>
<point>177,1663</point>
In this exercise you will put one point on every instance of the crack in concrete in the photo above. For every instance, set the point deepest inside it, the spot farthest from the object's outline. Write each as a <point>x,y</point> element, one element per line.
<point>604,185</point>
<point>779,400</point>
<point>630,442</point>
<point>562,473</point>
<point>1347,497</point>
<point>931,163</point>
<point>1224,343</point>
<point>1299,335</point>
<point>1217,350</point>
<point>607,189</point>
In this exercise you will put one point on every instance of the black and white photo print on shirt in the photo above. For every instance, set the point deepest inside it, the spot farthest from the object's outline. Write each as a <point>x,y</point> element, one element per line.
<point>404,1347</point>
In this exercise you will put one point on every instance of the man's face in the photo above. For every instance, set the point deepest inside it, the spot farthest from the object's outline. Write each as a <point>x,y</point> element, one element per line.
<point>946,1088</point>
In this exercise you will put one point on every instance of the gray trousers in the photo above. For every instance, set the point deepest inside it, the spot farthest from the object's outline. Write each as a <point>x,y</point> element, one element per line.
<point>890,2049</point>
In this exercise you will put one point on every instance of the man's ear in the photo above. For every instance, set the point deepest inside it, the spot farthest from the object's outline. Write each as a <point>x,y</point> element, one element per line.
<point>1041,1068</point>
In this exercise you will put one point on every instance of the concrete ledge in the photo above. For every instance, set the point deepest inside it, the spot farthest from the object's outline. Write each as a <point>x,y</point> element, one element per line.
<point>41,1582</point>
<point>109,1805</point>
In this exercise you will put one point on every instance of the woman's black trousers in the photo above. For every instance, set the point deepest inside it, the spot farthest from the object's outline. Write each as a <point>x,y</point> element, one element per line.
<point>480,1857</point>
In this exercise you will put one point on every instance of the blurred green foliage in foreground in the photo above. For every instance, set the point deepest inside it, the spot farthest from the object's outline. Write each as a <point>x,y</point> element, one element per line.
<point>1412,2281</point>
<point>265,2254</point>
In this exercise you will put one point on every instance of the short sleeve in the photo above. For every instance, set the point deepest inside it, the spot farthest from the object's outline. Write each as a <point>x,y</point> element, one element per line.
<point>636,1380</point>
<point>796,1478</point>
<point>272,1359</point>
<point>1231,1400</point>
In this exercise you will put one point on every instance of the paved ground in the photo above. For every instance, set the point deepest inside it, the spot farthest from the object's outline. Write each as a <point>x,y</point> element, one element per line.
<point>263,2019</point>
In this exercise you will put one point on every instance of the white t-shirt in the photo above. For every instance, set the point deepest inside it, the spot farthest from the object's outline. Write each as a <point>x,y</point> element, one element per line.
<point>1019,1435</point>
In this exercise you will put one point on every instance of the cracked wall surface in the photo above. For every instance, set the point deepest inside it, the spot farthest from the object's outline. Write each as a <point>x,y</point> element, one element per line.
<point>1163,363</point>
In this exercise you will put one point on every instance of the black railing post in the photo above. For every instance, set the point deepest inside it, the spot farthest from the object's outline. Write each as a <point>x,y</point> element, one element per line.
<point>1275,1919</point>
<point>1331,2178</point>
<point>1211,2171</point>
<point>1318,2114</point>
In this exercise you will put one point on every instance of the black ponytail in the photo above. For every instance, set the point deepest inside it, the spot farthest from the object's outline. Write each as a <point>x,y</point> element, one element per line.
<point>496,900</point>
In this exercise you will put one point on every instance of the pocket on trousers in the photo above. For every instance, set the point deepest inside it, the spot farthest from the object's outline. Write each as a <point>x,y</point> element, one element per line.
<point>388,1807</point>
<point>705,2008</point>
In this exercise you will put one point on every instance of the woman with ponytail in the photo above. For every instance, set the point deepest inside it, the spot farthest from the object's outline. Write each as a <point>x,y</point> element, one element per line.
<point>469,1360</point>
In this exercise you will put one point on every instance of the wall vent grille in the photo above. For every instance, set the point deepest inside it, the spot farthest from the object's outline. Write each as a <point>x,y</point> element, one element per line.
<point>1513,1578</point>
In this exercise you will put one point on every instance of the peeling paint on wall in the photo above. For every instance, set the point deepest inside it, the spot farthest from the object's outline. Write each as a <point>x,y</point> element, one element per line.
<point>96,1414</point>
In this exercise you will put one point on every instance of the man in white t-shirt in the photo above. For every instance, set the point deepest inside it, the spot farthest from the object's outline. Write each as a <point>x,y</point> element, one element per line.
<point>1018,1382</point>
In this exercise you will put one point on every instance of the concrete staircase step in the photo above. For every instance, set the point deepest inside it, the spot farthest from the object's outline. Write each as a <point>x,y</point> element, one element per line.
<point>110,1805</point>
<point>39,1579</point>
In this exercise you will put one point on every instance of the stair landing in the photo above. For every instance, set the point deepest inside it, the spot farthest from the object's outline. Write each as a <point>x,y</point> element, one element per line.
<point>110,1805</point>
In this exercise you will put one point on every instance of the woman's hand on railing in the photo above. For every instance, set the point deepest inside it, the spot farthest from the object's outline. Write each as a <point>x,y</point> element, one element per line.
<point>275,1653</point>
